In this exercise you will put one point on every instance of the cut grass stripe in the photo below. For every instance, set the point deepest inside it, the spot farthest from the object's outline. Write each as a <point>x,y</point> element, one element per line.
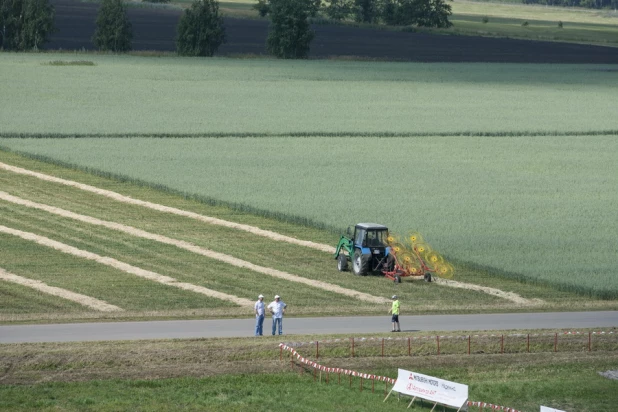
<point>88,301</point>
<point>146,274</point>
<point>166,209</point>
<point>194,248</point>
<point>513,297</point>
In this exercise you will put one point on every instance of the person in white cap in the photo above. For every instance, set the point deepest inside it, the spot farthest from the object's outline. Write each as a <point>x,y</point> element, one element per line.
<point>277,308</point>
<point>259,315</point>
<point>395,311</point>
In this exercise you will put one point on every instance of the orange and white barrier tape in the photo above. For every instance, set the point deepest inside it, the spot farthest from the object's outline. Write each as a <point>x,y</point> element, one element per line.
<point>386,379</point>
<point>319,367</point>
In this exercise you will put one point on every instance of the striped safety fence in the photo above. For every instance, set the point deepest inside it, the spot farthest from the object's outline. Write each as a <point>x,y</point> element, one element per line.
<point>386,379</point>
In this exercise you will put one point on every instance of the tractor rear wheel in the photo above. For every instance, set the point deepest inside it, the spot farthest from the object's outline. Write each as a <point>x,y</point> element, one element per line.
<point>360,264</point>
<point>342,262</point>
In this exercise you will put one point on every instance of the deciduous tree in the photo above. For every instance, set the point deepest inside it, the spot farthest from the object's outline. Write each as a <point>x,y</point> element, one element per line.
<point>25,24</point>
<point>114,31</point>
<point>423,13</point>
<point>290,34</point>
<point>200,30</point>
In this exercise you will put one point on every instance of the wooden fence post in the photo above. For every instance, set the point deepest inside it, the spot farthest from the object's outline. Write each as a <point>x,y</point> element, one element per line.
<point>438,340</point>
<point>556,342</point>
<point>468,344</point>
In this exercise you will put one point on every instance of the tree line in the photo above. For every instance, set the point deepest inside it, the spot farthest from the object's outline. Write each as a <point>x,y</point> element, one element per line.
<point>588,4</point>
<point>27,24</point>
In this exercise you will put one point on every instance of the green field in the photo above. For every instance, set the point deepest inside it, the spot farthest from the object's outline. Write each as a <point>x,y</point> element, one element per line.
<point>508,168</point>
<point>237,374</point>
<point>166,95</point>
<point>142,299</point>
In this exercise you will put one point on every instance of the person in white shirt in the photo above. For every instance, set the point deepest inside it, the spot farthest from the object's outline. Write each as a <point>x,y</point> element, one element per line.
<point>259,315</point>
<point>277,308</point>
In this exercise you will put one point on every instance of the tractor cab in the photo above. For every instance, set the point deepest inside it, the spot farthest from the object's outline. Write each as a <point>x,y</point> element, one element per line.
<point>370,235</point>
<point>365,246</point>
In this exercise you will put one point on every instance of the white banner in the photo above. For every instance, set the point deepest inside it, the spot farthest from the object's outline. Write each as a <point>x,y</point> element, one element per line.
<point>548,409</point>
<point>430,388</point>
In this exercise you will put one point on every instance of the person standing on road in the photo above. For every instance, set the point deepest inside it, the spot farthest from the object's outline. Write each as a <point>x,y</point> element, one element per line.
<point>277,308</point>
<point>259,315</point>
<point>395,312</point>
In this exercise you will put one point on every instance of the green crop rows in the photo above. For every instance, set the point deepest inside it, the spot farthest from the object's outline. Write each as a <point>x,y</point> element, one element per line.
<point>511,168</point>
<point>125,94</point>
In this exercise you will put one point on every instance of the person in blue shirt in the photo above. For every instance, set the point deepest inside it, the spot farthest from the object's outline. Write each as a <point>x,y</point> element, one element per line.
<point>259,315</point>
<point>277,309</point>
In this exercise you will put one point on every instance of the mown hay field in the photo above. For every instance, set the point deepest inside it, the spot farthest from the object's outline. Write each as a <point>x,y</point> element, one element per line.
<point>508,168</point>
<point>32,209</point>
<point>529,207</point>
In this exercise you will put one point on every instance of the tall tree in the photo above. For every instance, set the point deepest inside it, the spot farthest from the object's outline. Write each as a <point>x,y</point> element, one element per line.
<point>290,34</point>
<point>423,13</point>
<point>200,30</point>
<point>114,31</point>
<point>366,10</point>
<point>339,9</point>
<point>25,24</point>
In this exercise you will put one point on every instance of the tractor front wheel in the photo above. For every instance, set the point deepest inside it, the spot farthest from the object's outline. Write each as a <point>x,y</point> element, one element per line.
<point>360,264</point>
<point>342,262</point>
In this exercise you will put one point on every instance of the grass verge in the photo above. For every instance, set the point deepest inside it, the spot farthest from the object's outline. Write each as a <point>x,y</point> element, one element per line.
<point>236,374</point>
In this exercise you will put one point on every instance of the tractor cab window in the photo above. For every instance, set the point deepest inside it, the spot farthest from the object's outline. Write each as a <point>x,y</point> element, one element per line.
<point>359,237</point>
<point>377,238</point>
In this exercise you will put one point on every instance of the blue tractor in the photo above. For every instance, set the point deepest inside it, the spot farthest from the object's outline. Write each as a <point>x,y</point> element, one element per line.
<point>366,246</point>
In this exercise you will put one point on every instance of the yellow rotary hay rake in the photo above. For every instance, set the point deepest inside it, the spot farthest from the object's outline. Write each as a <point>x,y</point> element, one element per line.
<point>412,256</point>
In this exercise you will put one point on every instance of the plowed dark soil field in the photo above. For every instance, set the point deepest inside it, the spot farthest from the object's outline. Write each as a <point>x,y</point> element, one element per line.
<point>155,29</point>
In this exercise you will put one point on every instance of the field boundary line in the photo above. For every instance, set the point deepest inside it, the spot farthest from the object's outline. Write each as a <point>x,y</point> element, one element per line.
<point>308,133</point>
<point>172,210</point>
<point>84,300</point>
<point>125,267</point>
<point>195,249</point>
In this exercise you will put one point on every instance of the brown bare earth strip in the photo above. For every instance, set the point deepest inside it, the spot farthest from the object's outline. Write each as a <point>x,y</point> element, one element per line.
<point>146,274</point>
<point>195,249</point>
<point>166,209</point>
<point>88,301</point>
